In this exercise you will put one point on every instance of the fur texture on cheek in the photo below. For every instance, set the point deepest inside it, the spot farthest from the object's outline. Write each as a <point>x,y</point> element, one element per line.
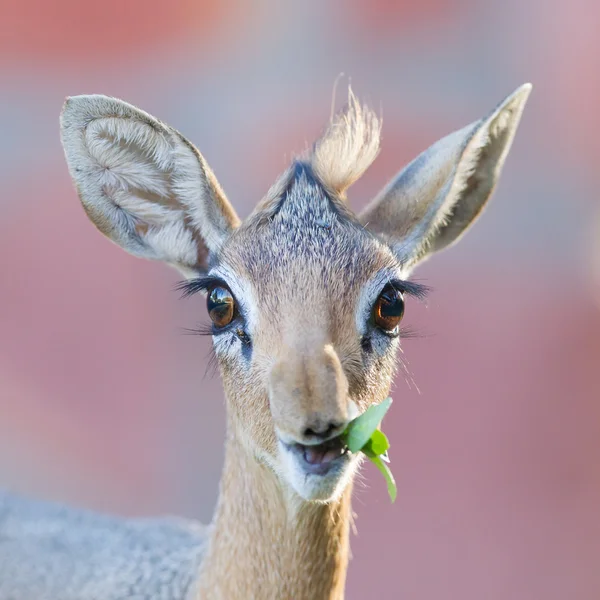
<point>376,380</point>
<point>248,409</point>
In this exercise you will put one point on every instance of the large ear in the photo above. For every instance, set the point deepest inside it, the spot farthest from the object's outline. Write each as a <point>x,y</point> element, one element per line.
<point>143,184</point>
<point>432,202</point>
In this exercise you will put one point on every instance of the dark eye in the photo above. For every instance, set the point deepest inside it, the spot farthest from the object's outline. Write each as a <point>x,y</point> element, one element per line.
<point>221,306</point>
<point>389,309</point>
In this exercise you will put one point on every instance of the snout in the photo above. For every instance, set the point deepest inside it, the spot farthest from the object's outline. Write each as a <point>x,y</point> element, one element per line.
<point>309,396</point>
<point>311,408</point>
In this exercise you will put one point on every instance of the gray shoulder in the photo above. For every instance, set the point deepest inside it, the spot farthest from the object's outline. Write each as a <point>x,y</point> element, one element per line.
<point>51,552</point>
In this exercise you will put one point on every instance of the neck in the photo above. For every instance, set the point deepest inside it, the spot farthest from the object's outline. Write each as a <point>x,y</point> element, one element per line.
<point>267,544</point>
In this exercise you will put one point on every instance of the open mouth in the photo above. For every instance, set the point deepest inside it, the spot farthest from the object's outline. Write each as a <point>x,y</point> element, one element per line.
<point>320,459</point>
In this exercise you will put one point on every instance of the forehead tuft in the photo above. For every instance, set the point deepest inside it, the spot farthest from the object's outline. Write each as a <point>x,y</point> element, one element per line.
<point>348,146</point>
<point>303,230</point>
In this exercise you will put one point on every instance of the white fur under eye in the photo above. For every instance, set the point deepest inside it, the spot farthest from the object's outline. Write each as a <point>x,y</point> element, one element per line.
<point>229,343</point>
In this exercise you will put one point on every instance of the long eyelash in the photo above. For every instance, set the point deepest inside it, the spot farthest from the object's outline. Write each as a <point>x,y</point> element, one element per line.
<point>412,288</point>
<point>198,284</point>
<point>212,362</point>
<point>201,329</point>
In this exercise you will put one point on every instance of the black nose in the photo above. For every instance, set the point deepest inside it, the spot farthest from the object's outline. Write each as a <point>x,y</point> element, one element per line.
<point>322,430</point>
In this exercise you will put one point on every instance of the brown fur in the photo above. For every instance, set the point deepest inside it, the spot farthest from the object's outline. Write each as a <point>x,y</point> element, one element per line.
<point>305,272</point>
<point>266,545</point>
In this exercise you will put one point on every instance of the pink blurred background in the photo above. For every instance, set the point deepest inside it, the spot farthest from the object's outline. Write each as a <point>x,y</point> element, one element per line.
<point>104,404</point>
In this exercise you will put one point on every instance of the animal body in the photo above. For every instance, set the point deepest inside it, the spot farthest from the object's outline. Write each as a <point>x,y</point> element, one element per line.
<point>305,300</point>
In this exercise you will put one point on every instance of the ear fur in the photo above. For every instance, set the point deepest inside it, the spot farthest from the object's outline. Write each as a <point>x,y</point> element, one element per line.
<point>143,184</point>
<point>434,200</point>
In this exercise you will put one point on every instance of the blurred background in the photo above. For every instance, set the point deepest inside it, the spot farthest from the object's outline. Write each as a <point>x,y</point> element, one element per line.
<point>496,433</point>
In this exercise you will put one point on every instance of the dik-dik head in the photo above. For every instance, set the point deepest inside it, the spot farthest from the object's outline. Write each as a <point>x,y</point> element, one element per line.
<point>305,298</point>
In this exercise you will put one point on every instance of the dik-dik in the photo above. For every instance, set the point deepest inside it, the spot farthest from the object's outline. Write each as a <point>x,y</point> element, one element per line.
<point>305,300</point>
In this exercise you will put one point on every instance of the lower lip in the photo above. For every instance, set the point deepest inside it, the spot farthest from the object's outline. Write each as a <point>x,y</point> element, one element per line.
<point>317,468</point>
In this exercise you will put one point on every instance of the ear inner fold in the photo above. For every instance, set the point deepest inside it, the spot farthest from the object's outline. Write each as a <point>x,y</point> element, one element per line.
<point>143,184</point>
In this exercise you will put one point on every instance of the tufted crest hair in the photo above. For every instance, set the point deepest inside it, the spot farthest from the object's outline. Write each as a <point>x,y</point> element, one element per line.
<point>348,146</point>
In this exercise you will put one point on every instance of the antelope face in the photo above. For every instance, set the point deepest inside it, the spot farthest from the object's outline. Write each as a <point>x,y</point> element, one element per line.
<point>306,309</point>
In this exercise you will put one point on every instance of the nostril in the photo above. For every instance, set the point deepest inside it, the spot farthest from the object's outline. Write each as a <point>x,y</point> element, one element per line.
<point>331,428</point>
<point>322,431</point>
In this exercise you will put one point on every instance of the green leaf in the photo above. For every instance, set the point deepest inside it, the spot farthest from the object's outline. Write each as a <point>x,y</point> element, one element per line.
<point>385,471</point>
<point>378,443</point>
<point>360,430</point>
<point>363,435</point>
